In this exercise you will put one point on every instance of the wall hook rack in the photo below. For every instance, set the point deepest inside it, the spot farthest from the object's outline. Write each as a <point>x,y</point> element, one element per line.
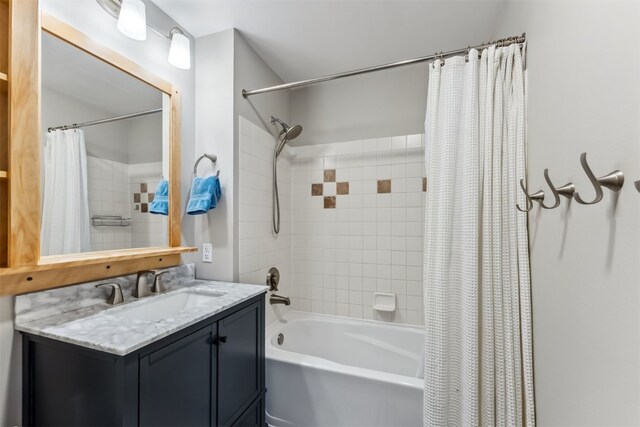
<point>613,181</point>
<point>538,196</point>
<point>566,190</point>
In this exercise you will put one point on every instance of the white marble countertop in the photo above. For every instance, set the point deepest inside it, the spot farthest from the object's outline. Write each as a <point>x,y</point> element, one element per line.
<point>99,327</point>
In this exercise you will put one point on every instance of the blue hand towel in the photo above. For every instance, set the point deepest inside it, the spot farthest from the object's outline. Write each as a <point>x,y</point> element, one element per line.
<point>217,192</point>
<point>160,204</point>
<point>204,195</point>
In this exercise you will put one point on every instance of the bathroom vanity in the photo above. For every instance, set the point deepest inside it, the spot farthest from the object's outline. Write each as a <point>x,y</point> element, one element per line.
<point>193,356</point>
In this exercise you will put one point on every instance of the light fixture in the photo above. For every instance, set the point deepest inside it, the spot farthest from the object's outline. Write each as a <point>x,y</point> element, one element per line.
<point>180,51</point>
<point>132,20</point>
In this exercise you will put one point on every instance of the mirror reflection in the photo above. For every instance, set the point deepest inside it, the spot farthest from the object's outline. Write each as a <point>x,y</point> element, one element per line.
<point>102,155</point>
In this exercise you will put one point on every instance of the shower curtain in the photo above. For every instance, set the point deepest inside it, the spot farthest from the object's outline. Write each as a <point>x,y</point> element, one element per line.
<point>65,210</point>
<point>478,342</point>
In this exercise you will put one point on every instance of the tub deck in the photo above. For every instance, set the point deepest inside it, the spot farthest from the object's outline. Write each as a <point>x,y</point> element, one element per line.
<point>336,371</point>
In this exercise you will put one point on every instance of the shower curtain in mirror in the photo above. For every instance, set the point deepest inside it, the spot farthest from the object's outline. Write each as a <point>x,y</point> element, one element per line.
<point>65,210</point>
<point>478,343</point>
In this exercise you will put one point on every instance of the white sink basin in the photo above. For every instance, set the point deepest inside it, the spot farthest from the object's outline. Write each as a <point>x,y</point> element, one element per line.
<point>159,307</point>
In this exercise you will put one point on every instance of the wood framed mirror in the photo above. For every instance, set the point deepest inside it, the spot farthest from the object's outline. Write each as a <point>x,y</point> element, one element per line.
<point>30,215</point>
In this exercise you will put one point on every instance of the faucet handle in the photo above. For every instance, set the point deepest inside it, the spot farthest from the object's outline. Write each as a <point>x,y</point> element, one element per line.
<point>116,293</point>
<point>273,278</point>
<point>157,286</point>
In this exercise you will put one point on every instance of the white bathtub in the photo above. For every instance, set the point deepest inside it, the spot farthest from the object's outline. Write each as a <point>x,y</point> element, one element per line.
<point>336,372</point>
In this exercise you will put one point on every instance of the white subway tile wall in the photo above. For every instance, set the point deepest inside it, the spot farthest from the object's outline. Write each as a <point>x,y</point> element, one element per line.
<point>112,188</point>
<point>372,239</point>
<point>147,229</point>
<point>108,183</point>
<point>259,250</point>
<point>339,243</point>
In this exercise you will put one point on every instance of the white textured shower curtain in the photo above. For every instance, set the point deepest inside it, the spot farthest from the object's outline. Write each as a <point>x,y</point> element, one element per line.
<point>478,343</point>
<point>65,210</point>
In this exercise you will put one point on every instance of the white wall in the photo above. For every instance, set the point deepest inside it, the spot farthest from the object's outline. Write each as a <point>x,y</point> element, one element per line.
<point>226,64</point>
<point>259,249</point>
<point>88,17</point>
<point>332,260</point>
<point>147,229</point>
<point>144,139</point>
<point>108,183</point>
<point>108,141</point>
<point>386,103</point>
<point>214,130</point>
<point>372,240</point>
<point>583,66</point>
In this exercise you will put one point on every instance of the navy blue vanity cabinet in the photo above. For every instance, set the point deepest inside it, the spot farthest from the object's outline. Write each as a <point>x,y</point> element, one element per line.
<point>209,374</point>
<point>240,356</point>
<point>177,382</point>
<point>252,417</point>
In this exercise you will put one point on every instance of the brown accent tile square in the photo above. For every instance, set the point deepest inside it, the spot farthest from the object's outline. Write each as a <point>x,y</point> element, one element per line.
<point>144,207</point>
<point>330,202</point>
<point>151,197</point>
<point>384,186</point>
<point>424,183</point>
<point>329,175</point>
<point>316,189</point>
<point>136,197</point>
<point>143,188</point>
<point>342,188</point>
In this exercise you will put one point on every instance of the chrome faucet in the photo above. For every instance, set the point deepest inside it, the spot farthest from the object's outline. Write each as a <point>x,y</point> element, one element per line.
<point>141,289</point>
<point>277,299</point>
<point>116,293</point>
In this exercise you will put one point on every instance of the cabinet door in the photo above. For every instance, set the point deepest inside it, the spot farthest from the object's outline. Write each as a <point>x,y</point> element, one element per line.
<point>177,382</point>
<point>252,417</point>
<point>240,362</point>
<point>61,386</point>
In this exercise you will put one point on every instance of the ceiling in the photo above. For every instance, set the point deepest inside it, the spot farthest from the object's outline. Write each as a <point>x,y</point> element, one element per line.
<point>302,39</point>
<point>70,71</point>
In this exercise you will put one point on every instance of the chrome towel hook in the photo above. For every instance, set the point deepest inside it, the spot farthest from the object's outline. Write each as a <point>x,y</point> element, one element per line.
<point>538,196</point>
<point>566,190</point>
<point>613,181</point>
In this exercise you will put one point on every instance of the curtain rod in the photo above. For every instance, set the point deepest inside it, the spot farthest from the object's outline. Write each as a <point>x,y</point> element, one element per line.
<point>99,122</point>
<point>499,43</point>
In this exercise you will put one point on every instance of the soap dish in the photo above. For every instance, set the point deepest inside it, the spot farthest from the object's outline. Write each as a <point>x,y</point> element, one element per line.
<point>383,301</point>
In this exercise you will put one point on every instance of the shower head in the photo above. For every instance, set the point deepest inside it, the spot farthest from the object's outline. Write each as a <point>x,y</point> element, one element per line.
<point>288,132</point>
<point>285,135</point>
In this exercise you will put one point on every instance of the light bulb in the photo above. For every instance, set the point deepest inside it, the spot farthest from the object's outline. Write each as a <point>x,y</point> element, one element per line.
<point>132,21</point>
<point>179,52</point>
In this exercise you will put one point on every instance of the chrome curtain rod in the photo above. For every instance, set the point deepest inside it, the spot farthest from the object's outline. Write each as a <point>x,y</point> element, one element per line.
<point>102,121</point>
<point>499,43</point>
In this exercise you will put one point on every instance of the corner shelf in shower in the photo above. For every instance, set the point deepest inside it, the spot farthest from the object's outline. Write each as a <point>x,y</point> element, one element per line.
<point>3,83</point>
<point>3,175</point>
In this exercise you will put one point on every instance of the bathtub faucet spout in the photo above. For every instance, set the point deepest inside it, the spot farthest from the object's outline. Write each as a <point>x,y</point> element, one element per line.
<point>277,299</point>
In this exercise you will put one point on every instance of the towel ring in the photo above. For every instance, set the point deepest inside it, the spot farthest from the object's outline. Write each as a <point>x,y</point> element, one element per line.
<point>211,157</point>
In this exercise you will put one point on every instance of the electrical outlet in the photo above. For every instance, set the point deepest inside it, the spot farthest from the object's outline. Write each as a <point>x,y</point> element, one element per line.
<point>207,252</point>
